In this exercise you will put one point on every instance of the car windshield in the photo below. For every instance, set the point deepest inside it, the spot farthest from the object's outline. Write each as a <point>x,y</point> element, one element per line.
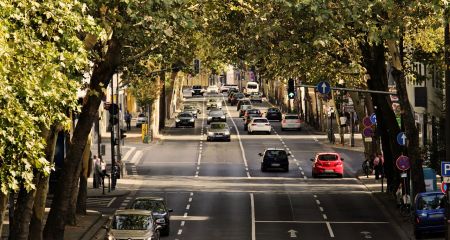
<point>273,110</point>
<point>216,113</point>
<point>218,126</point>
<point>141,115</point>
<point>212,100</point>
<point>197,87</point>
<point>328,157</point>
<point>131,222</point>
<point>252,86</point>
<point>185,115</point>
<point>275,154</point>
<point>188,108</point>
<point>244,107</point>
<point>240,95</point>
<point>430,202</point>
<point>260,121</point>
<point>291,117</point>
<point>151,205</point>
<point>253,111</point>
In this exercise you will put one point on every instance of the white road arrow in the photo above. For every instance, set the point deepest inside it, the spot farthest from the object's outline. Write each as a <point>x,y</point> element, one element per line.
<point>403,139</point>
<point>293,233</point>
<point>324,87</point>
<point>366,234</point>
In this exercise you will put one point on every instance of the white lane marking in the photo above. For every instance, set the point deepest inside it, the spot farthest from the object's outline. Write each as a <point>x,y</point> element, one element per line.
<point>298,164</point>
<point>199,159</point>
<point>180,231</point>
<point>182,223</point>
<point>110,202</point>
<point>315,196</point>
<point>305,177</point>
<point>190,199</point>
<point>318,202</point>
<point>324,216</point>
<point>252,203</point>
<point>334,222</point>
<point>239,139</point>
<point>185,214</point>
<point>127,155</point>
<point>136,157</point>
<point>330,230</point>
<point>188,206</point>
<point>126,200</point>
<point>192,194</point>
<point>289,150</point>
<point>321,209</point>
<point>300,168</point>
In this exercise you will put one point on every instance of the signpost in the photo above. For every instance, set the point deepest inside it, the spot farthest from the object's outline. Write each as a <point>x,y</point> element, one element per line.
<point>323,87</point>
<point>368,132</point>
<point>401,139</point>
<point>373,118</point>
<point>367,122</point>
<point>445,169</point>
<point>403,163</point>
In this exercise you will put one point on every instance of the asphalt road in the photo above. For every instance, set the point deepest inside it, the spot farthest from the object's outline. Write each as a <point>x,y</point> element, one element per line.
<point>217,190</point>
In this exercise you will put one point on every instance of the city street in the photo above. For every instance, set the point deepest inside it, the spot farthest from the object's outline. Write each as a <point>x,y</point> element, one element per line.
<point>217,190</point>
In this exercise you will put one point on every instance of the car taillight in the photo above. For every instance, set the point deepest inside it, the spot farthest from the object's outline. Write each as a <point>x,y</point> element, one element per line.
<point>253,124</point>
<point>267,124</point>
<point>417,220</point>
<point>284,120</point>
<point>297,121</point>
<point>338,164</point>
<point>318,163</point>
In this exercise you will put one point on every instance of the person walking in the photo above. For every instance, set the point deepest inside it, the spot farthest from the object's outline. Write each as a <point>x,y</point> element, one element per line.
<point>128,120</point>
<point>103,170</point>
<point>378,162</point>
<point>97,172</point>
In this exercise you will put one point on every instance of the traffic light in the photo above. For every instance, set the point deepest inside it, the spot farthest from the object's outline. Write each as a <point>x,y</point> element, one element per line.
<point>196,66</point>
<point>291,88</point>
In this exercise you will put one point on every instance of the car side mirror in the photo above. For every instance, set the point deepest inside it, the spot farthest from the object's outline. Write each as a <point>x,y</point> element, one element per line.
<point>312,159</point>
<point>260,154</point>
<point>170,210</point>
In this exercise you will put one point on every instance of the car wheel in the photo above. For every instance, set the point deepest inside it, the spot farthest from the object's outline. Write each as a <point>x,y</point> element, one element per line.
<point>314,175</point>
<point>229,140</point>
<point>166,231</point>
<point>341,175</point>
<point>263,169</point>
<point>299,128</point>
<point>282,129</point>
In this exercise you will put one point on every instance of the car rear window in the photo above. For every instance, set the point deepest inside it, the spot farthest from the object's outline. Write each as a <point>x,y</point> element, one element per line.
<point>260,121</point>
<point>196,87</point>
<point>218,126</point>
<point>276,153</point>
<point>141,115</point>
<point>185,115</point>
<point>431,202</point>
<point>291,117</point>
<point>254,111</point>
<point>273,110</point>
<point>328,157</point>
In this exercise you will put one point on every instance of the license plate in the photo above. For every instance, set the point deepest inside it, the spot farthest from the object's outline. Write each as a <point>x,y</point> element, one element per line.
<point>432,216</point>
<point>329,171</point>
<point>275,164</point>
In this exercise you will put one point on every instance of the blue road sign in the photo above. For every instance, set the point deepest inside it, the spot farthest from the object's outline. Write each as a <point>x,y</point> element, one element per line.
<point>373,118</point>
<point>445,169</point>
<point>401,138</point>
<point>403,163</point>
<point>323,87</point>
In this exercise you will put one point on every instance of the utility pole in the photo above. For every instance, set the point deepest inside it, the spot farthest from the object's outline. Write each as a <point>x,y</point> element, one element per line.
<point>447,100</point>
<point>113,159</point>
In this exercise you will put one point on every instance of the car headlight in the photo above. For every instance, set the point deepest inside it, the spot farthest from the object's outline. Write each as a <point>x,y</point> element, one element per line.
<point>210,134</point>
<point>209,118</point>
<point>111,237</point>
<point>227,132</point>
<point>160,221</point>
<point>223,117</point>
<point>191,120</point>
<point>177,120</point>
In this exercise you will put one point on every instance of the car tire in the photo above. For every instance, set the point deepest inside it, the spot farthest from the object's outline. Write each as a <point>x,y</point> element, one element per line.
<point>299,128</point>
<point>165,231</point>
<point>314,175</point>
<point>341,175</point>
<point>282,129</point>
<point>263,169</point>
<point>229,140</point>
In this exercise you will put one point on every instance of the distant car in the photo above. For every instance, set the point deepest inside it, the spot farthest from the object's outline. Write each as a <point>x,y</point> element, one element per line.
<point>157,206</point>
<point>214,101</point>
<point>197,90</point>
<point>258,124</point>
<point>141,119</point>
<point>236,97</point>
<point>244,101</point>
<point>212,89</point>
<point>249,114</point>
<point>243,109</point>
<point>328,164</point>
<point>232,89</point>
<point>133,224</point>
<point>274,158</point>
<point>191,109</point>
<point>185,119</point>
<point>218,131</point>
<point>291,121</point>
<point>216,115</point>
<point>231,94</point>
<point>224,88</point>
<point>256,97</point>
<point>274,114</point>
<point>429,213</point>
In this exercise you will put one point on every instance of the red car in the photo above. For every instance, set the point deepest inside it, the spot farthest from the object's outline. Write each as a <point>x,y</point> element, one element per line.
<point>328,164</point>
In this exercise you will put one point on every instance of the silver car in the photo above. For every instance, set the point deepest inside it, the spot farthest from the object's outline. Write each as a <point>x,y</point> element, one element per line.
<point>191,109</point>
<point>216,115</point>
<point>218,131</point>
<point>256,97</point>
<point>132,224</point>
<point>185,119</point>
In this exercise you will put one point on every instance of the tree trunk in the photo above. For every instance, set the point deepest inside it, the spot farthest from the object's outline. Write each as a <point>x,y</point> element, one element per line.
<point>37,217</point>
<point>85,172</point>
<point>412,134</point>
<point>374,62</point>
<point>22,212</point>
<point>3,204</point>
<point>162,101</point>
<point>102,73</point>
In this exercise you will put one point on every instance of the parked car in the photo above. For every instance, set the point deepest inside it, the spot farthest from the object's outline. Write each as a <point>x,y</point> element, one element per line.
<point>429,213</point>
<point>197,90</point>
<point>328,163</point>
<point>273,114</point>
<point>214,101</point>
<point>274,158</point>
<point>133,224</point>
<point>185,119</point>
<point>258,124</point>
<point>216,115</point>
<point>157,206</point>
<point>212,89</point>
<point>256,97</point>
<point>291,121</point>
<point>236,97</point>
<point>218,131</point>
<point>141,119</point>
<point>191,109</point>
<point>243,109</point>
<point>244,101</point>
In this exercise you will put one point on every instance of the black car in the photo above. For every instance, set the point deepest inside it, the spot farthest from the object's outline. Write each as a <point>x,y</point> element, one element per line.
<point>273,114</point>
<point>274,158</point>
<point>185,119</point>
<point>236,97</point>
<point>216,115</point>
<point>157,206</point>
<point>197,90</point>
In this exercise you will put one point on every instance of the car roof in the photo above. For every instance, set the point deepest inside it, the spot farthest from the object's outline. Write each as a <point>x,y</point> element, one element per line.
<point>278,149</point>
<point>185,113</point>
<point>330,153</point>
<point>150,198</point>
<point>255,118</point>
<point>291,114</point>
<point>133,211</point>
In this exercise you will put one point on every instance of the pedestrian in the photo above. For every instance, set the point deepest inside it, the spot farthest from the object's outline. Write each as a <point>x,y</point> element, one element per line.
<point>128,120</point>
<point>103,170</point>
<point>378,162</point>
<point>97,172</point>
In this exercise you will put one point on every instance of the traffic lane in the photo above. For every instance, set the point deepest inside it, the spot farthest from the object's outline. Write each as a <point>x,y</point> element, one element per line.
<point>172,130</point>
<point>291,230</point>
<point>374,230</point>
<point>353,160</point>
<point>276,125</point>
<point>176,158</point>
<point>219,216</point>
<point>222,159</point>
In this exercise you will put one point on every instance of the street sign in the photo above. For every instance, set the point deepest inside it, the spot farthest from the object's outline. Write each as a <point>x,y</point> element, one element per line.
<point>368,132</point>
<point>373,118</point>
<point>291,95</point>
<point>444,187</point>
<point>403,163</point>
<point>323,87</point>
<point>445,169</point>
<point>401,138</point>
<point>367,122</point>
<point>349,108</point>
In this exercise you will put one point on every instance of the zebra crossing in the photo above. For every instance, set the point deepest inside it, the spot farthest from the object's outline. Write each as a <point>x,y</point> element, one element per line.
<point>93,202</point>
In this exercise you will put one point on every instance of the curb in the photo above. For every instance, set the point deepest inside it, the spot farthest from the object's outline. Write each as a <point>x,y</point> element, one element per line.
<point>110,194</point>
<point>93,229</point>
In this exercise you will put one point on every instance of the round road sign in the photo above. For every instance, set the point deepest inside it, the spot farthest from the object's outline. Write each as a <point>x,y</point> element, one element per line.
<point>367,122</point>
<point>323,87</point>
<point>403,163</point>
<point>368,132</point>
<point>373,118</point>
<point>444,187</point>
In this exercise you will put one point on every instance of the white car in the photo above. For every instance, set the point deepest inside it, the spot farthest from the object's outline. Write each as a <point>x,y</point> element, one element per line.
<point>224,88</point>
<point>259,125</point>
<point>291,121</point>
<point>214,103</point>
<point>212,90</point>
